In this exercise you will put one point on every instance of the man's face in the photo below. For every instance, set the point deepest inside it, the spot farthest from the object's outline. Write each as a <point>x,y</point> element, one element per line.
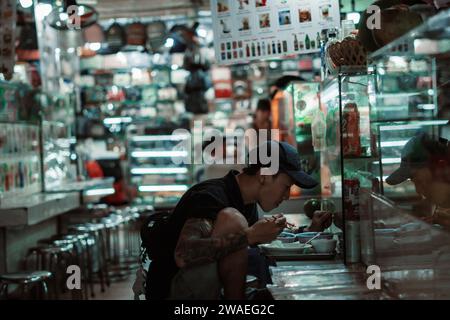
<point>431,188</point>
<point>274,190</point>
<point>262,115</point>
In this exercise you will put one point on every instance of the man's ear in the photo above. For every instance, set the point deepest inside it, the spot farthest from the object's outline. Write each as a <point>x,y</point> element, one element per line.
<point>261,177</point>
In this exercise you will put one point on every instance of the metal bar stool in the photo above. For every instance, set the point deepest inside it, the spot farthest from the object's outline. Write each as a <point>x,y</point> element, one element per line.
<point>112,225</point>
<point>55,258</point>
<point>95,254</point>
<point>26,281</point>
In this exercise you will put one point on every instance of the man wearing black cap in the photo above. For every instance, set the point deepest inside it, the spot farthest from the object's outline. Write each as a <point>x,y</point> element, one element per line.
<point>426,161</point>
<point>207,235</point>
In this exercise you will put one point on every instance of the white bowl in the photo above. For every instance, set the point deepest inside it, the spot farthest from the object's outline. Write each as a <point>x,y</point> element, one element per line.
<point>324,245</point>
<point>278,247</point>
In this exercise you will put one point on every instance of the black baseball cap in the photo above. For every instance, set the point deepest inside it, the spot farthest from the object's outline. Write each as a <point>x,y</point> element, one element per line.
<point>289,162</point>
<point>417,153</point>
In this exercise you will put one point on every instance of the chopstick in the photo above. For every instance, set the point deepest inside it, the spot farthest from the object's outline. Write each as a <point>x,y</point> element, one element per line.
<point>289,225</point>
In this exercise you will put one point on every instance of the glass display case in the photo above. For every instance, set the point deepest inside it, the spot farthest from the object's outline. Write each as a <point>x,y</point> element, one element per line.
<point>408,94</point>
<point>158,165</point>
<point>346,151</point>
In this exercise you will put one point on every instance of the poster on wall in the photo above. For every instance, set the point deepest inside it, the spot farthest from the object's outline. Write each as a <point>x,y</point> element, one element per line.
<point>7,37</point>
<point>246,30</point>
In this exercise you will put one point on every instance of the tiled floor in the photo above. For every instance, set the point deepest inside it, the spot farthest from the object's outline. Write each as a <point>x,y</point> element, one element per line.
<point>121,290</point>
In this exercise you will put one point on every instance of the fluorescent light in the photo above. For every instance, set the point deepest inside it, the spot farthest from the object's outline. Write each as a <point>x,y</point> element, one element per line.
<point>174,137</point>
<point>415,125</point>
<point>354,16</point>
<point>158,170</point>
<point>158,154</point>
<point>160,188</point>
<point>26,3</point>
<point>174,67</point>
<point>426,106</point>
<point>100,192</point>
<point>391,160</point>
<point>393,143</point>
<point>43,10</point>
<point>117,120</point>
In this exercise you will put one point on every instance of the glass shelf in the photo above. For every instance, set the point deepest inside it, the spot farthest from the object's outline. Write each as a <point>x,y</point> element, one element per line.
<point>429,39</point>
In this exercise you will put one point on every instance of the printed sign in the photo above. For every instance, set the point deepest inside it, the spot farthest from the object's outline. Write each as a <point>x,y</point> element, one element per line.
<point>246,30</point>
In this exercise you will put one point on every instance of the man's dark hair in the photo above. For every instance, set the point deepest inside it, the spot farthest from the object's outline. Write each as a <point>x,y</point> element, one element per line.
<point>263,105</point>
<point>252,169</point>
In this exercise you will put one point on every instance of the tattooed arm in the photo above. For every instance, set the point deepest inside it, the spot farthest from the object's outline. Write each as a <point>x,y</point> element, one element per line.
<point>196,246</point>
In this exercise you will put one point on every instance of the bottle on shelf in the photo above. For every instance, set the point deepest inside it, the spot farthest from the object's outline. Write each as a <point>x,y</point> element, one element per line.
<point>247,50</point>
<point>307,42</point>
<point>269,49</point>
<point>318,130</point>
<point>295,42</point>
<point>259,49</point>
<point>285,48</point>
<point>347,27</point>
<point>274,49</point>
<point>351,143</point>
<point>253,49</point>
<point>279,46</point>
<point>352,184</point>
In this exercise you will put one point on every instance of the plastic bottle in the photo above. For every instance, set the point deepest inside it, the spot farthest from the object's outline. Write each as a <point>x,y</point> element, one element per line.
<point>347,26</point>
<point>295,42</point>
<point>318,128</point>
<point>351,143</point>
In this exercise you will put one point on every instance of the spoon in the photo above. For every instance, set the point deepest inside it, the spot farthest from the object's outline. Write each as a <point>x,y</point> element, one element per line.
<point>318,234</point>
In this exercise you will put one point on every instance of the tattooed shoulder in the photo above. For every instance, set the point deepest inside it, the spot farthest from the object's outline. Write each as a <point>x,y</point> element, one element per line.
<point>198,227</point>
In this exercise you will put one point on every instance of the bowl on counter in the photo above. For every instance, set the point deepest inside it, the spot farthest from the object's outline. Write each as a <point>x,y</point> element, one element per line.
<point>287,237</point>
<point>278,247</point>
<point>324,245</point>
<point>306,236</point>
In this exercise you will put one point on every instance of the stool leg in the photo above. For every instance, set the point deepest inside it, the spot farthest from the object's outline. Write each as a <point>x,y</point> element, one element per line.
<point>90,270</point>
<point>4,290</point>
<point>86,269</point>
<point>24,290</point>
<point>44,290</point>
<point>54,269</point>
<point>104,260</point>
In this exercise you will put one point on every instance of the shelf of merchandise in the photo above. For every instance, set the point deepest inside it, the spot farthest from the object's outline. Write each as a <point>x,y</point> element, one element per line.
<point>158,166</point>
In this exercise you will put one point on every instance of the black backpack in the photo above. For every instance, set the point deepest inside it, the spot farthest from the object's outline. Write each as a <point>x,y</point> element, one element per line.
<point>153,233</point>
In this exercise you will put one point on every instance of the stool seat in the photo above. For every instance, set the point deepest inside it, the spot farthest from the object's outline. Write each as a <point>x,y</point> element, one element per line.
<point>56,249</point>
<point>25,277</point>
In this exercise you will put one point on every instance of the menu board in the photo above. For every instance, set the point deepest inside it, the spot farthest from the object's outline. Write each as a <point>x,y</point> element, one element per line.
<point>246,30</point>
<point>7,37</point>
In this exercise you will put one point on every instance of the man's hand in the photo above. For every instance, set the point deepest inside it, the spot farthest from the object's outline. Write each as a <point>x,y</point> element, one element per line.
<point>266,230</point>
<point>320,221</point>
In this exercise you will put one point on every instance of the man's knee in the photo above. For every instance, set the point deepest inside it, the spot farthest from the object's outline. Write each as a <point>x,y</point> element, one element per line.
<point>229,220</point>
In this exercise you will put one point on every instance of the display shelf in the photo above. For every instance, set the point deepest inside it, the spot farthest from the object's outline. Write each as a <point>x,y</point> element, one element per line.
<point>84,186</point>
<point>432,38</point>
<point>157,165</point>
<point>32,209</point>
